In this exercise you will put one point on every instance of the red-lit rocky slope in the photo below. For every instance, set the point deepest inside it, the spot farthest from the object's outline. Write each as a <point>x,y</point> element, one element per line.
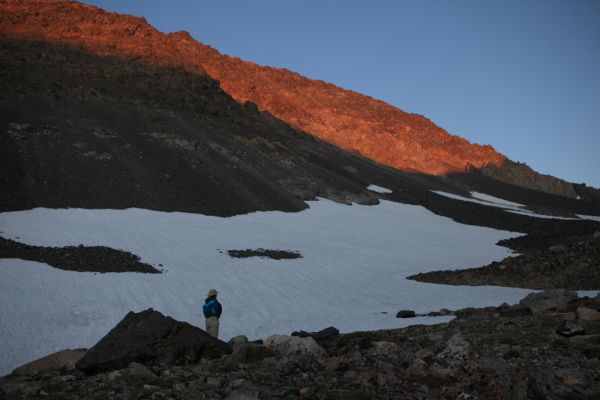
<point>349,120</point>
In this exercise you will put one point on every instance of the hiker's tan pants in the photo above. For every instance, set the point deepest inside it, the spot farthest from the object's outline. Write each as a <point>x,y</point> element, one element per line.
<point>212,326</point>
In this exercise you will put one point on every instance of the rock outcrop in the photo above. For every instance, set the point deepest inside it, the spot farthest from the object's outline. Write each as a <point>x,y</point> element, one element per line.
<point>569,262</point>
<point>77,258</point>
<point>150,338</point>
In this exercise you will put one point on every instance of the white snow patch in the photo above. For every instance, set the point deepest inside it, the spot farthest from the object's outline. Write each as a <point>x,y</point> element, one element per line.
<point>590,217</point>
<point>355,260</point>
<point>495,200</point>
<point>484,199</point>
<point>379,189</point>
<point>532,214</point>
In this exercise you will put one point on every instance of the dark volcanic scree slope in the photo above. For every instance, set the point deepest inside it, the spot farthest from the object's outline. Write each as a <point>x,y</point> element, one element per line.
<point>99,132</point>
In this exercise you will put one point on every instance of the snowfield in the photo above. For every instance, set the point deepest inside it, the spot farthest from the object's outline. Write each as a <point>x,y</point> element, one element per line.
<point>351,276</point>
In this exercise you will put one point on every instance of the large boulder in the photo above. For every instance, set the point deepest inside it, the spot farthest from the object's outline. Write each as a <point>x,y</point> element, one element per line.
<point>294,346</point>
<point>549,300</point>
<point>149,337</point>
<point>588,314</point>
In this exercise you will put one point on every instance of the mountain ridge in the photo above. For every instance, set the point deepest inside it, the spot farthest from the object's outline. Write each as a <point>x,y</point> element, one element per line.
<point>349,120</point>
<point>270,88</point>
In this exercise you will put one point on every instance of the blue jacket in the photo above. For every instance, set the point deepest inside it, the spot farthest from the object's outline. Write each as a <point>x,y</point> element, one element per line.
<point>212,307</point>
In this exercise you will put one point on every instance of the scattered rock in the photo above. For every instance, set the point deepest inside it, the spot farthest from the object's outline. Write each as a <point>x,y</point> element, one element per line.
<point>405,314</point>
<point>588,314</point>
<point>425,354</point>
<point>247,391</point>
<point>114,375</point>
<point>586,339</point>
<point>334,364</point>
<point>350,376</point>
<point>498,365</point>
<point>384,348</point>
<point>517,310</point>
<point>557,249</point>
<point>294,346</point>
<point>570,328</point>
<point>239,349</point>
<point>150,387</point>
<point>323,334</point>
<point>568,316</point>
<point>418,368</point>
<point>549,300</point>
<point>137,369</point>
<point>457,346</point>
<point>149,337</point>
<point>214,381</point>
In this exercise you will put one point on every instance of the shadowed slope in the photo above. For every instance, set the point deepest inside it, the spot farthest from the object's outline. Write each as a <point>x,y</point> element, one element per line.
<point>80,130</point>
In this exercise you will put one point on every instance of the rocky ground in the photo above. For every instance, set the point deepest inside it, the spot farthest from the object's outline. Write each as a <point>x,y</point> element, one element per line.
<point>574,264</point>
<point>77,258</point>
<point>546,347</point>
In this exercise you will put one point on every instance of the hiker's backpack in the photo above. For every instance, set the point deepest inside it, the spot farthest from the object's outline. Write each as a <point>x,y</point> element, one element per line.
<point>208,309</point>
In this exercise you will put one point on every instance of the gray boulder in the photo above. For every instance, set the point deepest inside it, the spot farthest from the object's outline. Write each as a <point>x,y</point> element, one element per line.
<point>588,314</point>
<point>294,346</point>
<point>239,349</point>
<point>149,337</point>
<point>549,300</point>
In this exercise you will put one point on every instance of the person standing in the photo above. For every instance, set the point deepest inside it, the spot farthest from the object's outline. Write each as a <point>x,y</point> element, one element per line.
<point>212,312</point>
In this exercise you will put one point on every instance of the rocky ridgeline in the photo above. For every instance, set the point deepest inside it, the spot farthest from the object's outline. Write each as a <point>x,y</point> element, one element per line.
<point>545,347</point>
<point>344,118</point>
<point>349,120</point>
<point>574,265</point>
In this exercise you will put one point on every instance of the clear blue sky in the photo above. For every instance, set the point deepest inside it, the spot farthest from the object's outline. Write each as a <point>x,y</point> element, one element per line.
<point>521,75</point>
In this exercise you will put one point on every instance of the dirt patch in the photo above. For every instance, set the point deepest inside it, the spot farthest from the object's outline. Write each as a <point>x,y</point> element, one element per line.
<point>265,253</point>
<point>77,258</point>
